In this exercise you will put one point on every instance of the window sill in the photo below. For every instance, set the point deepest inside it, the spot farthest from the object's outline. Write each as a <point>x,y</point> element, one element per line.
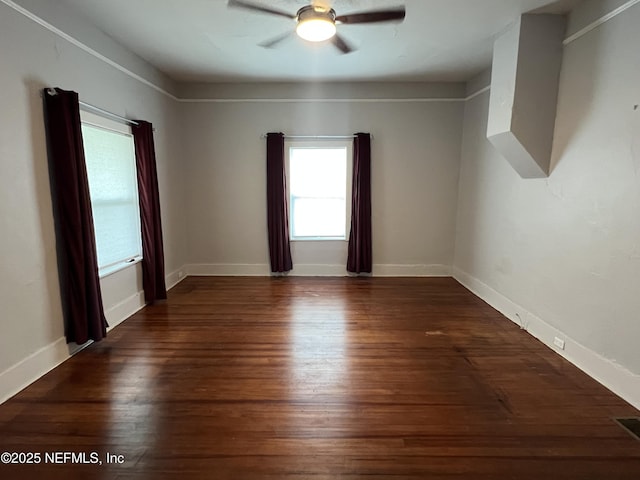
<point>105,272</point>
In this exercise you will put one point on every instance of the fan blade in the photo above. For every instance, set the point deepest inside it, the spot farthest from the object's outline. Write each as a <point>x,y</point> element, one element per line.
<point>339,42</point>
<point>394,15</point>
<point>274,41</point>
<point>259,8</point>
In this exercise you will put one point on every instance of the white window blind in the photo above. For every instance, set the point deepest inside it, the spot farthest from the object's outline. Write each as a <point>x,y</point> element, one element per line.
<point>318,192</point>
<point>111,168</point>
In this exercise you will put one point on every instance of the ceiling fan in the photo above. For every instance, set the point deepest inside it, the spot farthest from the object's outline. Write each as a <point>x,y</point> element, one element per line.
<point>317,23</point>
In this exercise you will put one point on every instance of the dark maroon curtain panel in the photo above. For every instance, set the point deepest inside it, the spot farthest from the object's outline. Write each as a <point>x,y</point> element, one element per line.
<point>77,258</point>
<point>153,281</point>
<point>277,206</point>
<point>359,259</point>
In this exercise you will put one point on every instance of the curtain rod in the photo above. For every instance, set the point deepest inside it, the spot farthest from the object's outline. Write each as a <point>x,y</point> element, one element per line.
<point>98,110</point>
<point>317,137</point>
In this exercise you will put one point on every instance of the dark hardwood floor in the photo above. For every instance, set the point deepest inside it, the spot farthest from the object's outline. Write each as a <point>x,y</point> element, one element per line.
<point>313,378</point>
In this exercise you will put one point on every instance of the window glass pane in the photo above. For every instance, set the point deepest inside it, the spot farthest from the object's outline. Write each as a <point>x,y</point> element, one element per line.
<point>117,233</point>
<point>314,217</point>
<point>318,186</point>
<point>111,171</point>
<point>318,172</point>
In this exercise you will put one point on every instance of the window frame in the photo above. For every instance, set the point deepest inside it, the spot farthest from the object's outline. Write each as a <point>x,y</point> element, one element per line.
<point>100,122</point>
<point>316,143</point>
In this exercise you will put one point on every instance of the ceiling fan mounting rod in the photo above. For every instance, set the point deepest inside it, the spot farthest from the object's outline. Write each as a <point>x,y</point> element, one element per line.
<point>310,12</point>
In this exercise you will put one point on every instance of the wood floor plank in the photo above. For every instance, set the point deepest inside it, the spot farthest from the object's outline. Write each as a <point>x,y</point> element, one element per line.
<point>320,378</point>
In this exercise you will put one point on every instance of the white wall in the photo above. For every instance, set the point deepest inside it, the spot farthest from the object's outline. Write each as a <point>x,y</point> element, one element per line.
<point>561,255</point>
<point>31,58</point>
<point>415,163</point>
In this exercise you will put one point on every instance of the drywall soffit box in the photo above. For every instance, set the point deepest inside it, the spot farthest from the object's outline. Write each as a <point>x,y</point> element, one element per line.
<point>524,92</point>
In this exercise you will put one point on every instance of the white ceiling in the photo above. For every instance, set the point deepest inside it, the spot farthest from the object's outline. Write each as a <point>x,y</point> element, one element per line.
<point>205,41</point>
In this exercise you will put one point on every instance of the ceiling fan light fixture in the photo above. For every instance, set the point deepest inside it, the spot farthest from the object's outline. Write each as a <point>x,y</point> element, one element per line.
<point>317,21</point>
<point>316,29</point>
<point>316,24</point>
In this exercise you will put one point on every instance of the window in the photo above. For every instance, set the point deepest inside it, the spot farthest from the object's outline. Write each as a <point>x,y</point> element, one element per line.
<point>113,186</point>
<point>318,189</point>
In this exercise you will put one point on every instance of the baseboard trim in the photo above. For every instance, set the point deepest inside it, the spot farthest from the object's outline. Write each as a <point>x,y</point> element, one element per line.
<point>319,270</point>
<point>227,270</point>
<point>175,277</point>
<point>419,270</point>
<point>314,270</point>
<point>123,310</point>
<point>22,374</point>
<point>615,377</point>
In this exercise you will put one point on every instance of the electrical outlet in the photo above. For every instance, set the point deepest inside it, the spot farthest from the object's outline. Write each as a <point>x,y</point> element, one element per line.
<point>558,342</point>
